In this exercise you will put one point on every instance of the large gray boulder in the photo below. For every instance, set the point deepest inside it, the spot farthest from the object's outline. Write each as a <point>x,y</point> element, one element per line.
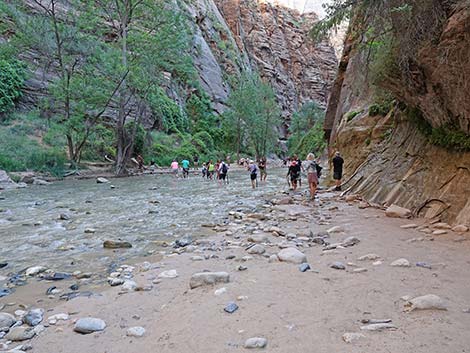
<point>89,325</point>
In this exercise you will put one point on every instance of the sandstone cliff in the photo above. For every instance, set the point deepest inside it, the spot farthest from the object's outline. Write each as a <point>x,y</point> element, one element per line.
<point>388,158</point>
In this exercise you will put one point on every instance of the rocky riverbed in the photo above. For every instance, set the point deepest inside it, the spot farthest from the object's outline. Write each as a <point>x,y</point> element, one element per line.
<point>274,273</point>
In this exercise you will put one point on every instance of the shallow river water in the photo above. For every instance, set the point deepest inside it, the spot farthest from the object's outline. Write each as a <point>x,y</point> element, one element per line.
<point>140,210</point>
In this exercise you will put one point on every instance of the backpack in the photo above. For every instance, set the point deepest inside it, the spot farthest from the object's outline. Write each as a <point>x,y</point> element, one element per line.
<point>319,168</point>
<point>224,168</point>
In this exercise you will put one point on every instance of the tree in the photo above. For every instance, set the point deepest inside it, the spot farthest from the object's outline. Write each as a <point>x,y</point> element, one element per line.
<point>253,115</point>
<point>302,122</point>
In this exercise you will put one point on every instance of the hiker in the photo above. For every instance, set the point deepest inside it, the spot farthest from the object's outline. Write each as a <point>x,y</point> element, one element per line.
<point>185,165</point>
<point>311,168</point>
<point>204,170</point>
<point>210,170</point>
<point>217,166</point>
<point>196,162</point>
<point>253,169</point>
<point>301,169</point>
<point>222,172</point>
<point>174,168</point>
<point>140,162</point>
<point>262,169</point>
<point>294,172</point>
<point>338,162</point>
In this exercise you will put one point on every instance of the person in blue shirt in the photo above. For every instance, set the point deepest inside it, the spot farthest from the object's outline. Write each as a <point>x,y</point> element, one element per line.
<point>185,165</point>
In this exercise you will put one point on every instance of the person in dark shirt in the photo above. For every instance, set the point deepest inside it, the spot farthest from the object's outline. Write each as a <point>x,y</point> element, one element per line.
<point>338,162</point>
<point>294,173</point>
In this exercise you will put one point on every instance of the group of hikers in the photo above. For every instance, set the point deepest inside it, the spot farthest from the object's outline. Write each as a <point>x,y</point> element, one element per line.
<point>219,170</point>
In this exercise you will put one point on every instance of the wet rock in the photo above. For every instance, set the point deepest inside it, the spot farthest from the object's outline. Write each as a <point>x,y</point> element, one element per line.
<point>184,241</point>
<point>400,263</point>
<point>74,287</point>
<point>350,241</point>
<point>256,249</point>
<point>111,244</point>
<point>113,282</point>
<point>102,180</point>
<point>304,267</point>
<point>351,337</point>
<point>379,327</point>
<point>89,325</point>
<point>168,274</point>
<point>64,217</point>
<point>20,333</point>
<point>426,302</point>
<point>3,264</point>
<point>7,320</point>
<point>57,276</point>
<point>458,229</point>
<point>395,211</point>
<point>292,255</point>
<point>231,308</point>
<point>338,265</point>
<point>242,268</point>
<point>256,342</point>
<point>369,257</point>
<point>90,230</point>
<point>208,278</point>
<point>35,270</point>
<point>34,317</point>
<point>136,331</point>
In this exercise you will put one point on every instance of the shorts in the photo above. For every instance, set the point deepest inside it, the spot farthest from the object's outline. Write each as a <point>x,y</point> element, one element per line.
<point>222,176</point>
<point>253,176</point>
<point>174,171</point>
<point>294,177</point>
<point>312,178</point>
<point>263,172</point>
<point>185,171</point>
<point>337,175</point>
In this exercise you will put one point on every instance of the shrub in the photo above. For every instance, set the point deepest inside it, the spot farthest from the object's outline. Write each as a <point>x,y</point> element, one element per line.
<point>12,77</point>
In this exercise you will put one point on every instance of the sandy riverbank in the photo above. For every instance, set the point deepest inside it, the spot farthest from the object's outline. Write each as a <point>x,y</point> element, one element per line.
<point>295,311</point>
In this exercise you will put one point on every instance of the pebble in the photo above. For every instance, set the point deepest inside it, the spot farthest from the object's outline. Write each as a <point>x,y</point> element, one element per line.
<point>460,228</point>
<point>89,325</point>
<point>20,333</point>
<point>409,226</point>
<point>360,270</point>
<point>64,217</point>
<point>273,258</point>
<point>424,265</point>
<point>111,244</point>
<point>292,255</point>
<point>136,331</point>
<point>168,274</point>
<point>255,342</point>
<point>304,267</point>
<point>335,229</point>
<point>102,180</point>
<point>350,241</point>
<point>379,327</point>
<point>369,257</point>
<point>90,230</point>
<point>242,268</point>
<point>34,317</point>
<point>7,320</point>
<point>231,307</point>
<point>395,211</point>
<point>129,286</point>
<point>257,249</point>
<point>52,320</point>
<point>441,225</point>
<point>35,270</point>
<point>338,265</point>
<point>208,278</point>
<point>197,258</point>
<point>220,291</point>
<point>426,302</point>
<point>350,337</point>
<point>400,263</point>
<point>439,232</point>
<point>113,282</point>
<point>258,238</point>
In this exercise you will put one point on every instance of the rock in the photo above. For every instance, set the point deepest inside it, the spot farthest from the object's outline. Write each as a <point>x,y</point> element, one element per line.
<point>256,342</point>
<point>231,307</point>
<point>38,181</point>
<point>184,241</point>
<point>136,331</point>
<point>38,329</point>
<point>111,244</point>
<point>395,211</point>
<point>441,225</point>
<point>256,249</point>
<point>351,198</point>
<point>64,217</point>
<point>460,228</point>
<point>57,276</point>
<point>400,263</point>
<point>34,317</point>
<point>220,291</point>
<point>35,270</point>
<point>208,278</point>
<point>89,325</point>
<point>360,270</point>
<point>350,241</point>
<point>129,286</point>
<point>338,265</point>
<point>258,238</point>
<point>273,258</point>
<point>242,268</point>
<point>292,255</point>
<point>426,302</point>
<point>90,230</point>
<point>113,282</point>
<point>197,258</point>
<point>369,257</point>
<point>7,320</point>
<point>409,226</point>
<point>285,201</point>
<point>379,327</point>
<point>335,229</point>
<point>424,265</point>
<point>439,232</point>
<point>304,267</point>
<point>20,333</point>
<point>102,180</point>
<point>277,230</point>
<point>52,320</point>
<point>377,263</point>
<point>168,274</point>
<point>350,337</point>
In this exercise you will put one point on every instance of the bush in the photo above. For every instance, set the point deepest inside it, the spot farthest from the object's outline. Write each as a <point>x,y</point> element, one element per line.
<point>12,77</point>
<point>313,142</point>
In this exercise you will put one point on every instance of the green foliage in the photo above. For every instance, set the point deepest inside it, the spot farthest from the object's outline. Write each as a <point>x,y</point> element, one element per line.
<point>302,122</point>
<point>312,142</point>
<point>168,115</point>
<point>380,108</point>
<point>351,115</point>
<point>12,77</point>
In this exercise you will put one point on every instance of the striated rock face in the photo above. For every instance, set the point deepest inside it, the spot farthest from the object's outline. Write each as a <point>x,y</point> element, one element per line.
<point>388,160</point>
<point>276,41</point>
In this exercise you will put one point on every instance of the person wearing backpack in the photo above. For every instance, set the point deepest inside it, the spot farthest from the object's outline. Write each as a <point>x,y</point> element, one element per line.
<point>253,169</point>
<point>313,170</point>
<point>338,162</point>
<point>223,170</point>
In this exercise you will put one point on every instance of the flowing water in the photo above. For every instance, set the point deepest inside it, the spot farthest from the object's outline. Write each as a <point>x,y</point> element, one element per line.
<point>140,210</point>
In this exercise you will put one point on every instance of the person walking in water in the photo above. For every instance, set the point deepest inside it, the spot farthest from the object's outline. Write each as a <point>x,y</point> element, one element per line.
<point>210,170</point>
<point>174,168</point>
<point>223,170</point>
<point>338,162</point>
<point>262,169</point>
<point>253,169</point>
<point>312,174</point>
<point>185,165</point>
<point>196,162</point>
<point>294,172</point>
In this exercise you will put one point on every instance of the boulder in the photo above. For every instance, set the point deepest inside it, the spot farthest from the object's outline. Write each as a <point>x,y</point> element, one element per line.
<point>292,255</point>
<point>89,325</point>
<point>20,333</point>
<point>7,320</point>
<point>350,241</point>
<point>112,244</point>
<point>34,317</point>
<point>256,250</point>
<point>6,182</point>
<point>426,302</point>
<point>208,278</point>
<point>395,211</point>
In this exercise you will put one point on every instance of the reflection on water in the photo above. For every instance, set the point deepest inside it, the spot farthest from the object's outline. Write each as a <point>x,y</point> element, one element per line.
<point>139,210</point>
